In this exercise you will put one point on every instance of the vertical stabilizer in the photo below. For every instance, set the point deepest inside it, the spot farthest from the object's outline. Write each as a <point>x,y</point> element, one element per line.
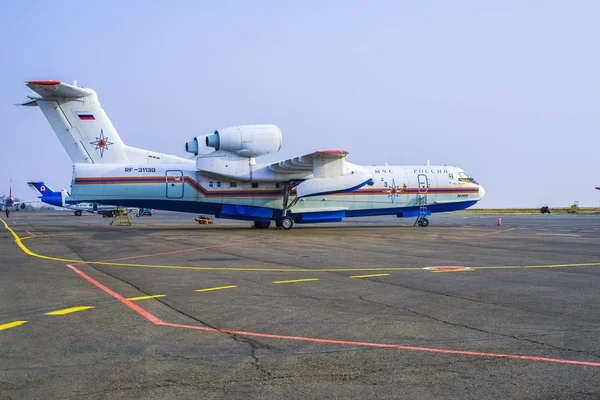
<point>80,123</point>
<point>46,194</point>
<point>83,127</point>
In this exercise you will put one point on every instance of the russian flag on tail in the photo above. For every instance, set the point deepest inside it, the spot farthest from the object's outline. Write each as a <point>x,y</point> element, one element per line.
<point>86,116</point>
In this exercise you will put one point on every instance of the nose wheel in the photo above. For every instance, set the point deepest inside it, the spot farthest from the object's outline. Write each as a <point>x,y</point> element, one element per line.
<point>423,222</point>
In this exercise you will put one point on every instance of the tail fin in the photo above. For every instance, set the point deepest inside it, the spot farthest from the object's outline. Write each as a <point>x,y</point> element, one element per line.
<point>83,127</point>
<point>46,194</point>
<point>41,189</point>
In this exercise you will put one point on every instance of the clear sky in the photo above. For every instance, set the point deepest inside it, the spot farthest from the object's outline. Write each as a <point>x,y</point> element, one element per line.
<point>507,90</point>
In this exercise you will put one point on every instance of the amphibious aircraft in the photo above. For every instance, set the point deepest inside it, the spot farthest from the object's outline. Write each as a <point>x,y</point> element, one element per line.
<point>61,199</point>
<point>229,182</point>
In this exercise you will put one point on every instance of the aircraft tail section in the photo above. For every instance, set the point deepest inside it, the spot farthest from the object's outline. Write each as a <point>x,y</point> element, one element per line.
<point>46,194</point>
<point>83,127</point>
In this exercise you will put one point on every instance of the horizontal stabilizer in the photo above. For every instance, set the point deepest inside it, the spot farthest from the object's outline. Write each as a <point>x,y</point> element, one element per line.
<point>54,89</point>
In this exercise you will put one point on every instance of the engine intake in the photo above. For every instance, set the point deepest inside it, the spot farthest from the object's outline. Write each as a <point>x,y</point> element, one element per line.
<point>192,147</point>
<point>246,140</point>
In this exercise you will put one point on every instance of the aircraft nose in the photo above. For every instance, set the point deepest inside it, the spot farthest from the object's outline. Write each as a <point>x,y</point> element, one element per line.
<point>481,192</point>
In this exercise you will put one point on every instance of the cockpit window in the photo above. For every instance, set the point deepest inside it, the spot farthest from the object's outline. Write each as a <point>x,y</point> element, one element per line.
<point>464,177</point>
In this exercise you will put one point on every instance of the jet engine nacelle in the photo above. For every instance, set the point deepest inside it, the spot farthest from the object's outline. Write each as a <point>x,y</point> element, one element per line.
<point>243,140</point>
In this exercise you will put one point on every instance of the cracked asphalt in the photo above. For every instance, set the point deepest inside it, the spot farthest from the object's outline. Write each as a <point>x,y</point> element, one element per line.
<point>354,313</point>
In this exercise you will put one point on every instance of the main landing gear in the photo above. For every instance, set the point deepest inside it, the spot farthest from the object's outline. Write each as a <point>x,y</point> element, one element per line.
<point>283,222</point>
<point>261,225</point>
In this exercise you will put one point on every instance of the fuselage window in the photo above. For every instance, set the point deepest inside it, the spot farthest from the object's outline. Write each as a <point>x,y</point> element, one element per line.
<point>232,184</point>
<point>254,185</point>
<point>210,184</point>
<point>218,184</point>
<point>277,185</point>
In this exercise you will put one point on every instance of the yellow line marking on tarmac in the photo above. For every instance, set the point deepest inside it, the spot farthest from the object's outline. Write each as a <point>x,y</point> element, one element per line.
<point>24,248</point>
<point>368,276</point>
<point>215,288</point>
<point>12,325</point>
<point>146,297</point>
<point>297,280</point>
<point>69,310</point>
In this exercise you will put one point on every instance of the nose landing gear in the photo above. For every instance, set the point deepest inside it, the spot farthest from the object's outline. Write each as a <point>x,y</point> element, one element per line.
<point>423,222</point>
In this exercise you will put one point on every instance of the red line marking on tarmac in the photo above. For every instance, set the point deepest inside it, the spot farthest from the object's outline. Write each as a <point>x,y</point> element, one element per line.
<point>495,232</point>
<point>158,321</point>
<point>117,296</point>
<point>384,345</point>
<point>173,252</point>
<point>30,234</point>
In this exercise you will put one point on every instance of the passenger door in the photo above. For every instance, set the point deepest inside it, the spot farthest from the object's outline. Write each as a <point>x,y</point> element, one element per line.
<point>423,183</point>
<point>174,180</point>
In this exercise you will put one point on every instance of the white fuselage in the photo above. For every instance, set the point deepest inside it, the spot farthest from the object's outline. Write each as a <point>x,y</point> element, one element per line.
<point>180,187</point>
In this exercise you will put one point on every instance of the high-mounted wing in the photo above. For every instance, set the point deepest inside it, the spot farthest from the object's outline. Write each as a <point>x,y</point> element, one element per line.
<point>330,173</point>
<point>319,163</point>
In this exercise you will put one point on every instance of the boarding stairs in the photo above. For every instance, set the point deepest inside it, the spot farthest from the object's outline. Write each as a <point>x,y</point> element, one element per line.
<point>421,218</point>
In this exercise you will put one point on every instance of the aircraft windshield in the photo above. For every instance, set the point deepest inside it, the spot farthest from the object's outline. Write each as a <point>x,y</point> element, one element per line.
<point>464,177</point>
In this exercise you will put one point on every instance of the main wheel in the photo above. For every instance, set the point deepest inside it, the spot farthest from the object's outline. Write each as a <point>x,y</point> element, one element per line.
<point>424,222</point>
<point>261,225</point>
<point>286,223</point>
<point>78,213</point>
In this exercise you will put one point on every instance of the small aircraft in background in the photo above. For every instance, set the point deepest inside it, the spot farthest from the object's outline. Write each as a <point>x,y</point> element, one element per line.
<point>60,199</point>
<point>8,203</point>
<point>229,182</point>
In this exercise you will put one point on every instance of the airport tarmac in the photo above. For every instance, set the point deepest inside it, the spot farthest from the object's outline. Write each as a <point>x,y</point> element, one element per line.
<point>367,308</point>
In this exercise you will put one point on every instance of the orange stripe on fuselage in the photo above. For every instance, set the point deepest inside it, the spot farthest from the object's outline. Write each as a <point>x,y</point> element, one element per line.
<point>145,180</point>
